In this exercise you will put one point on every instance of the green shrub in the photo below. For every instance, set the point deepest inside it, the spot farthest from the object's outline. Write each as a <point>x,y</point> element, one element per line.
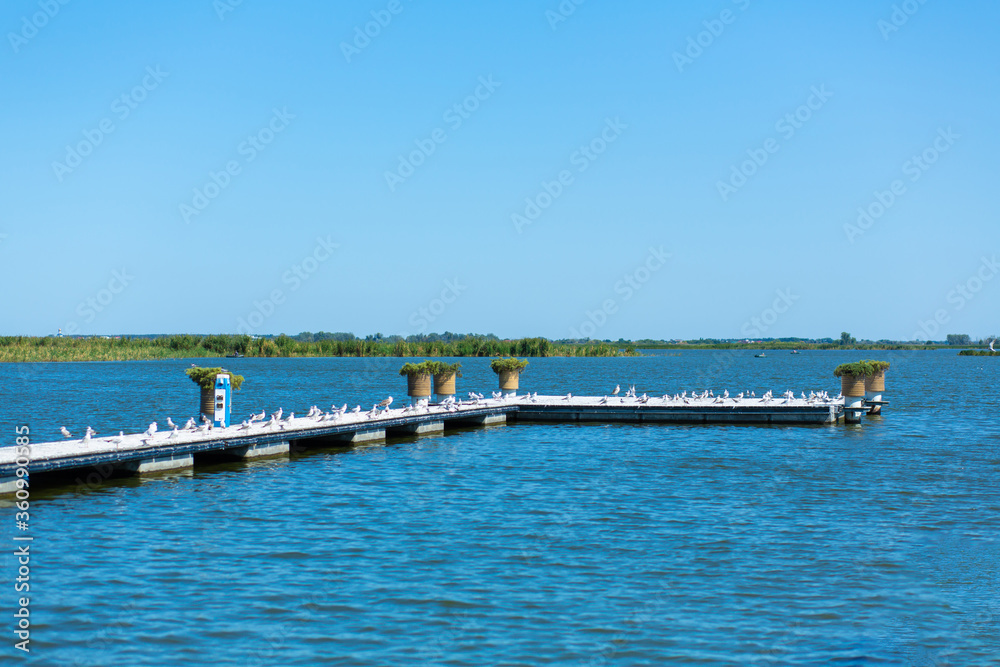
<point>508,364</point>
<point>205,377</point>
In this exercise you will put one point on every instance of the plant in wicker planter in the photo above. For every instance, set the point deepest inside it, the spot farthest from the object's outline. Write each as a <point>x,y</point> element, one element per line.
<point>205,378</point>
<point>418,378</point>
<point>509,371</point>
<point>855,376</point>
<point>444,377</point>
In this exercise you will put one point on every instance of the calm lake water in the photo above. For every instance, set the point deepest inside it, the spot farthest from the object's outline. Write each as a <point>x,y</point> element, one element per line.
<point>525,544</point>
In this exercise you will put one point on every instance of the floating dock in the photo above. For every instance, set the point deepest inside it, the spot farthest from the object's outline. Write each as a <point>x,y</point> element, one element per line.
<point>96,459</point>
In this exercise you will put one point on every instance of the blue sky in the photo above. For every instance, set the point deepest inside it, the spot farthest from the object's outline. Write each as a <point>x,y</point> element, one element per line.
<point>633,169</point>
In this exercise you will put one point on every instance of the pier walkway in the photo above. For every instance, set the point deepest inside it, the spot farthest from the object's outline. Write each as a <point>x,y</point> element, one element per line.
<point>167,450</point>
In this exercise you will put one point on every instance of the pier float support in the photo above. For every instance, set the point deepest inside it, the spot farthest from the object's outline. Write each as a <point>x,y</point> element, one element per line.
<point>492,420</point>
<point>364,436</point>
<point>417,429</point>
<point>8,485</point>
<point>853,389</point>
<point>257,451</point>
<point>160,463</point>
<point>874,386</point>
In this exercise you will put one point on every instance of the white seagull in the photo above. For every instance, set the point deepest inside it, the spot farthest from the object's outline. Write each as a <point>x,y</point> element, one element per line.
<point>170,423</point>
<point>618,388</point>
<point>65,432</point>
<point>88,433</point>
<point>151,431</point>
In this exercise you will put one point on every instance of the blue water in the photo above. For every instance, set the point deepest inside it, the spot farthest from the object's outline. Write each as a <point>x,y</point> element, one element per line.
<point>525,544</point>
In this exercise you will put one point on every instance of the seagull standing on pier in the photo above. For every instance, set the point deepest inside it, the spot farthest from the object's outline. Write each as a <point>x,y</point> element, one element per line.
<point>89,432</point>
<point>65,432</point>
<point>618,388</point>
<point>170,423</point>
<point>189,426</point>
<point>259,416</point>
<point>385,403</point>
<point>151,431</point>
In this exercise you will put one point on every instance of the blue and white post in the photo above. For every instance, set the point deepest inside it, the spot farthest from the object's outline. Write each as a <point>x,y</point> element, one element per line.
<point>223,401</point>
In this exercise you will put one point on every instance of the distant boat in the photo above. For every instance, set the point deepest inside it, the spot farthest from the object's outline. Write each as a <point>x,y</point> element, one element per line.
<point>795,352</point>
<point>234,355</point>
<point>760,356</point>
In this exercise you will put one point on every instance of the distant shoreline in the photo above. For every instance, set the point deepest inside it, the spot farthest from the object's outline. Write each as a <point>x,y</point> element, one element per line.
<point>21,349</point>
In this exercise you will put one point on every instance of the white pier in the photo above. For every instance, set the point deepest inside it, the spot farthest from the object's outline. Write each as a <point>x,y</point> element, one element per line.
<point>171,450</point>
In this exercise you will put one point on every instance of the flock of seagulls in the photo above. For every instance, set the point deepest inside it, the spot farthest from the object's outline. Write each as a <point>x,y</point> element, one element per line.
<point>279,421</point>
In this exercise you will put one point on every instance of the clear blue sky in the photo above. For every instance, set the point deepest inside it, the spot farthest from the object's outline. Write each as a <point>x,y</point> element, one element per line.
<point>102,242</point>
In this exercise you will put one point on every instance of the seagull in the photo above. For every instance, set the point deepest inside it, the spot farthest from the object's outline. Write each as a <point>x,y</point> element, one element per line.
<point>991,345</point>
<point>190,424</point>
<point>245,425</point>
<point>280,412</point>
<point>65,432</point>
<point>173,434</point>
<point>567,397</point>
<point>170,423</point>
<point>88,433</point>
<point>618,388</point>
<point>603,400</point>
<point>725,394</point>
<point>271,422</point>
<point>259,416</point>
<point>151,431</point>
<point>385,403</point>
<point>117,441</point>
<point>357,409</point>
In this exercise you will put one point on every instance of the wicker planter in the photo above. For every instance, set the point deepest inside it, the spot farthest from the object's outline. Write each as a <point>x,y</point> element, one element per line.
<point>208,402</point>
<point>509,380</point>
<point>852,386</point>
<point>875,383</point>
<point>444,384</point>
<point>418,386</point>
